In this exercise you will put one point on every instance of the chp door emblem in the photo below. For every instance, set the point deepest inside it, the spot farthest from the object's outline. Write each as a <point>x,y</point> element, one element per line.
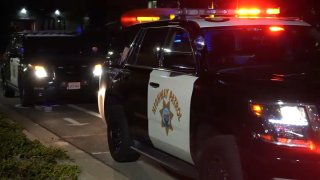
<point>166,117</point>
<point>168,98</point>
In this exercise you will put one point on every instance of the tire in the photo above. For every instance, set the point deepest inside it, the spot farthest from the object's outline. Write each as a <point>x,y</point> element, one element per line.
<point>7,91</point>
<point>119,140</point>
<point>220,160</point>
<point>26,96</point>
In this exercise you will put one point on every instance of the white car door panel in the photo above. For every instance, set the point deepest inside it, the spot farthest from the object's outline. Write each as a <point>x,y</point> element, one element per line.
<point>14,69</point>
<point>169,113</point>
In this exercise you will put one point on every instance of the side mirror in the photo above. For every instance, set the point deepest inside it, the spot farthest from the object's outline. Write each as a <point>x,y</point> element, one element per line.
<point>199,43</point>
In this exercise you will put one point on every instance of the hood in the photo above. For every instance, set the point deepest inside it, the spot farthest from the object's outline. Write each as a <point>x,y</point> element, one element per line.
<point>267,83</point>
<point>65,61</point>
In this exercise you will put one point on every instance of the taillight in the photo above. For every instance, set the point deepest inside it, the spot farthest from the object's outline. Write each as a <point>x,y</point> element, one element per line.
<point>290,125</point>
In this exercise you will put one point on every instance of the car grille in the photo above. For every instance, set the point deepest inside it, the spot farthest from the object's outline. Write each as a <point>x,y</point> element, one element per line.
<point>73,73</point>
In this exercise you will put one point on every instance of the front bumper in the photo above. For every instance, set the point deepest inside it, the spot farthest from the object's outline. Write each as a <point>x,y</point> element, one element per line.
<point>44,90</point>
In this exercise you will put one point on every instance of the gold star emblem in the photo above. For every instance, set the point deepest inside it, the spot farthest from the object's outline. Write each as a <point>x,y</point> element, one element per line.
<point>166,117</point>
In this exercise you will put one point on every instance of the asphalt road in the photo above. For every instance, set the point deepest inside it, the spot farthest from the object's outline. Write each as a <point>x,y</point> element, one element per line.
<point>80,124</point>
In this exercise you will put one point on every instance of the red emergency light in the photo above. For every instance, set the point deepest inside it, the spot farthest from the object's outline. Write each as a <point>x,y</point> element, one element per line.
<point>240,12</point>
<point>256,12</point>
<point>248,12</point>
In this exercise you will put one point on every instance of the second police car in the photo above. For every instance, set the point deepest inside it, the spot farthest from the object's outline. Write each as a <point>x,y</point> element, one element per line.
<point>43,65</point>
<point>221,94</point>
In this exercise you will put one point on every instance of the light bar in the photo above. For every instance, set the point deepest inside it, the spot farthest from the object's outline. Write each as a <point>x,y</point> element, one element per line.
<point>248,12</point>
<point>147,15</point>
<point>273,11</point>
<point>241,12</point>
<point>172,16</point>
<point>205,12</point>
<point>148,19</point>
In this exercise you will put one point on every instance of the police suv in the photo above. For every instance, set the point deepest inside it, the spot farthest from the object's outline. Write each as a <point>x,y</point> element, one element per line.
<point>42,65</point>
<point>217,94</point>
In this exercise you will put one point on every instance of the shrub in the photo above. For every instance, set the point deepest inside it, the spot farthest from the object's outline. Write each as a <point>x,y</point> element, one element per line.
<point>21,158</point>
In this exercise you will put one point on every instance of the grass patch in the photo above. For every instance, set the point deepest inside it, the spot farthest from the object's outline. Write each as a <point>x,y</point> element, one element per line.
<point>21,158</point>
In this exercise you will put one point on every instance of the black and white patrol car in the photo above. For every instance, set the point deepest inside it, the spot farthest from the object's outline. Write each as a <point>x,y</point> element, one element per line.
<point>44,65</point>
<point>219,97</point>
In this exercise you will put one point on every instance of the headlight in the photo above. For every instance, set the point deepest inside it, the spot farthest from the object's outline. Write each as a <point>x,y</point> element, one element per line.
<point>40,72</point>
<point>290,125</point>
<point>97,70</point>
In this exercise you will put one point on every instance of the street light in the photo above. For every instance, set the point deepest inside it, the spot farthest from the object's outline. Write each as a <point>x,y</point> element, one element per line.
<point>57,12</point>
<point>23,11</point>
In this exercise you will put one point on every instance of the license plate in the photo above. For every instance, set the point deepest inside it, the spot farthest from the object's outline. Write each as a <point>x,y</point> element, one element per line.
<point>73,85</point>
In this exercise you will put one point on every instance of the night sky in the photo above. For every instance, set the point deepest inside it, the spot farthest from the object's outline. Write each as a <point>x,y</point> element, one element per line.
<point>102,11</point>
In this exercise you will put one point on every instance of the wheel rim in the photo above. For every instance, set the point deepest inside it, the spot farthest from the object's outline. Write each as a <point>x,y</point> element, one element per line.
<point>116,139</point>
<point>216,170</point>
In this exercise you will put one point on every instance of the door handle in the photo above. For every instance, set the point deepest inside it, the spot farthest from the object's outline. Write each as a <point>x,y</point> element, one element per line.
<point>155,85</point>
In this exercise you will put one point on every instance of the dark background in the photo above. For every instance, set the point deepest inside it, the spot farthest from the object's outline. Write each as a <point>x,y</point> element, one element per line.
<point>104,11</point>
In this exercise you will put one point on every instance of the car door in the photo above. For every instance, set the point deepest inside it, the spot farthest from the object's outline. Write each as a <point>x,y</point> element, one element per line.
<point>143,59</point>
<point>6,66</point>
<point>169,104</point>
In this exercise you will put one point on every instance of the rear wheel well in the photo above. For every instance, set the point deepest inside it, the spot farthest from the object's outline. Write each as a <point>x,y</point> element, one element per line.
<point>221,148</point>
<point>204,133</point>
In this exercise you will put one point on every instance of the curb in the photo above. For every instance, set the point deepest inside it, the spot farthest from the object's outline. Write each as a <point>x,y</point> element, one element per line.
<point>91,168</point>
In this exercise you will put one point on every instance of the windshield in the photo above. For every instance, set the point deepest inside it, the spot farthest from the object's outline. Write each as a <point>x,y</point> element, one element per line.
<point>285,46</point>
<point>52,46</point>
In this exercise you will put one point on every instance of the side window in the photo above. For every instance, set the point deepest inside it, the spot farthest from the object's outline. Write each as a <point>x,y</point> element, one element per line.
<point>178,52</point>
<point>15,46</point>
<point>11,44</point>
<point>130,52</point>
<point>150,48</point>
<point>129,38</point>
<point>9,47</point>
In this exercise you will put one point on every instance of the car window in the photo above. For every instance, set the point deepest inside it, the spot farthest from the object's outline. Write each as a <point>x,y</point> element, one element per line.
<point>11,43</point>
<point>178,51</point>
<point>119,46</point>
<point>15,46</point>
<point>19,45</point>
<point>150,47</point>
<point>130,56</point>
<point>294,48</point>
<point>52,46</point>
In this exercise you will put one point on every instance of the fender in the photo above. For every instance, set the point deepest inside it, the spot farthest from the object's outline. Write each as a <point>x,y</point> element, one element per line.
<point>223,147</point>
<point>107,88</point>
